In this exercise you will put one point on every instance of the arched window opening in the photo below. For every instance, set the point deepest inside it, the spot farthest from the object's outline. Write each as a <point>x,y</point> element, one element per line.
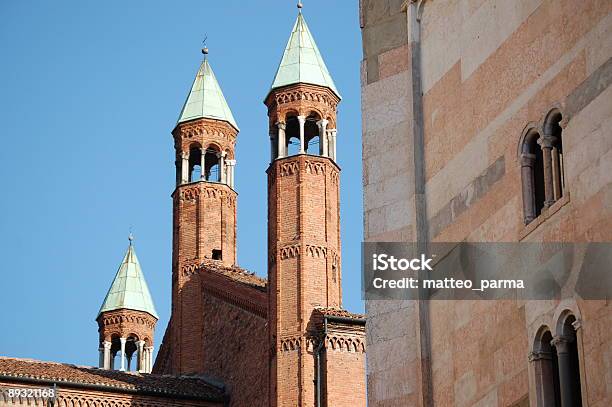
<point>532,173</point>
<point>569,364</point>
<point>292,136</point>
<point>131,364</point>
<point>212,165</point>
<point>311,136</point>
<point>195,164</point>
<point>544,357</point>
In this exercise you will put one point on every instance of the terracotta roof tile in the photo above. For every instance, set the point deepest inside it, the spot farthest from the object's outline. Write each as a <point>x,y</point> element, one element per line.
<point>235,273</point>
<point>339,312</point>
<point>164,385</point>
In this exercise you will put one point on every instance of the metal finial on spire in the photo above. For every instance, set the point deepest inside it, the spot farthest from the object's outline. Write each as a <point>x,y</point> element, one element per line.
<point>205,48</point>
<point>130,237</point>
<point>300,5</point>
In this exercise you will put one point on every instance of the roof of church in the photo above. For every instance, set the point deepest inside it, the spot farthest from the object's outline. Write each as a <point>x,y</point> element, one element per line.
<point>302,62</point>
<point>340,312</point>
<point>129,289</point>
<point>66,374</point>
<point>205,99</point>
<point>236,273</point>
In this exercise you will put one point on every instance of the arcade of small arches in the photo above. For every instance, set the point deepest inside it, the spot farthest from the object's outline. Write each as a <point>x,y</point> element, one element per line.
<point>542,167</point>
<point>133,354</point>
<point>208,163</point>
<point>302,134</point>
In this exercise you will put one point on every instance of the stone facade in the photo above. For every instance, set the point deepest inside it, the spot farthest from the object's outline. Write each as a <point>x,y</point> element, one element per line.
<point>446,167</point>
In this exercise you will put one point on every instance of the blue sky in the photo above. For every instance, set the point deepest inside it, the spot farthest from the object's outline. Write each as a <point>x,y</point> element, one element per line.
<point>89,92</point>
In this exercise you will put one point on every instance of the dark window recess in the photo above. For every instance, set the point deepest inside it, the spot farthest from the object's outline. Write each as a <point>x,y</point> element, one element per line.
<point>217,254</point>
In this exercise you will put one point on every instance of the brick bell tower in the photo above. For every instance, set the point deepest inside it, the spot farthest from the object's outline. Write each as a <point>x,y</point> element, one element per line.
<point>204,209</point>
<point>303,216</point>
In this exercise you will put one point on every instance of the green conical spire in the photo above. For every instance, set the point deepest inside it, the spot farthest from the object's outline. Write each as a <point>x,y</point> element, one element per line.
<point>129,289</point>
<point>206,100</point>
<point>302,61</point>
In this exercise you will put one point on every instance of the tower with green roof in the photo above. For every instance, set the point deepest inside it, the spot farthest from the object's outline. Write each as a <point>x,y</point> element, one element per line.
<point>127,318</point>
<point>304,273</point>
<point>204,209</point>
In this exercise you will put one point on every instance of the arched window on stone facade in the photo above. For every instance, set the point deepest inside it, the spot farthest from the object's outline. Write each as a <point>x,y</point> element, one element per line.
<point>532,174</point>
<point>566,345</point>
<point>544,358</point>
<point>542,169</point>
<point>556,364</point>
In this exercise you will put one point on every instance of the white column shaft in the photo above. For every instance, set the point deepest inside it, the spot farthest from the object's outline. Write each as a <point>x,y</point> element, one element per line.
<point>184,168</point>
<point>123,340</point>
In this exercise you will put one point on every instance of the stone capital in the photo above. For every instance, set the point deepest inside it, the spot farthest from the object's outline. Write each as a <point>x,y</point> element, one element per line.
<point>301,119</point>
<point>547,141</point>
<point>539,355</point>
<point>281,125</point>
<point>561,343</point>
<point>106,344</point>
<point>577,324</point>
<point>184,155</point>
<point>527,159</point>
<point>123,340</point>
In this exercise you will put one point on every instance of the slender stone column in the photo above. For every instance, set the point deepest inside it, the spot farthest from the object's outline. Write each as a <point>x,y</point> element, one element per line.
<point>221,156</point>
<point>107,355</point>
<point>123,341</point>
<point>561,343</point>
<point>547,142</point>
<point>282,143</point>
<point>149,359</point>
<point>323,148</point>
<point>184,167</point>
<point>556,173</point>
<point>527,161</point>
<point>230,172</point>
<point>141,356</point>
<point>302,121</point>
<point>333,133</point>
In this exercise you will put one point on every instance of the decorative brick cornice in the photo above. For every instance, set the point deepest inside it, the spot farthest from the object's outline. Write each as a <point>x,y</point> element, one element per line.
<point>315,167</point>
<point>289,251</point>
<point>205,132</point>
<point>208,190</point>
<point>290,343</point>
<point>289,168</point>
<point>345,343</point>
<point>319,252</point>
<point>302,98</point>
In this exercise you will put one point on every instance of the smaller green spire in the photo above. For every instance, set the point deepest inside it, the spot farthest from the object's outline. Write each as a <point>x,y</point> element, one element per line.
<point>129,289</point>
<point>205,99</point>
